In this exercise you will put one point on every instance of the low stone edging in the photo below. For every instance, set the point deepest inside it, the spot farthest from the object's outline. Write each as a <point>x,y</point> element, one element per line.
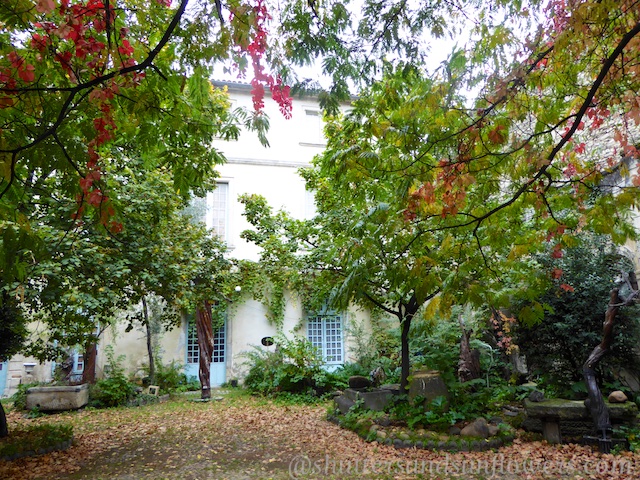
<point>58,447</point>
<point>461,444</point>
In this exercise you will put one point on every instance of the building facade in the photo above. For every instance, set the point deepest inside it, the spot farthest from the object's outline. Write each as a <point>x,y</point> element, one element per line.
<point>251,168</point>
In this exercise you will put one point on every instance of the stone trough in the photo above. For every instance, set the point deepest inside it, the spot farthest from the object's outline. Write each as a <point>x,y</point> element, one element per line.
<point>57,398</point>
<point>556,417</point>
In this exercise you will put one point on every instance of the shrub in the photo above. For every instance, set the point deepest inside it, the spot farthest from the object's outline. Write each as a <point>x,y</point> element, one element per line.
<point>171,378</point>
<point>295,367</point>
<point>19,398</point>
<point>115,390</point>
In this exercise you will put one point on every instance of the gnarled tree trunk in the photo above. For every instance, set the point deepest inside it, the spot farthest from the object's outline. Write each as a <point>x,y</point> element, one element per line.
<point>599,411</point>
<point>469,363</point>
<point>204,331</point>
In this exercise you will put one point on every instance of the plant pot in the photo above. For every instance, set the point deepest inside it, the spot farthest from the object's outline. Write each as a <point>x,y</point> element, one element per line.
<point>57,398</point>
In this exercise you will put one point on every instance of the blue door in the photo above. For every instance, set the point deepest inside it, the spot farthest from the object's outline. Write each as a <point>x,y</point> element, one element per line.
<point>218,373</point>
<point>4,366</point>
<point>218,362</point>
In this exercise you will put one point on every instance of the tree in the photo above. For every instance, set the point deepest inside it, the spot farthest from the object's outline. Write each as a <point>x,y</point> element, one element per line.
<point>12,335</point>
<point>574,304</point>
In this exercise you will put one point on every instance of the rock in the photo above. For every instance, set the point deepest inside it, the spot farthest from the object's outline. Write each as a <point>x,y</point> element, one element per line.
<point>373,400</point>
<point>454,430</point>
<point>343,403</point>
<point>403,436</point>
<point>536,396</point>
<point>617,396</point>
<point>511,411</point>
<point>496,420</point>
<point>493,430</point>
<point>392,387</point>
<point>429,385</point>
<point>359,382</point>
<point>381,435</point>
<point>384,421</point>
<point>478,428</point>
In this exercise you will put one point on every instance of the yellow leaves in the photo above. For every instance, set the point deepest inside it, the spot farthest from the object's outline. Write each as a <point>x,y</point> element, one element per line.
<point>380,128</point>
<point>517,251</point>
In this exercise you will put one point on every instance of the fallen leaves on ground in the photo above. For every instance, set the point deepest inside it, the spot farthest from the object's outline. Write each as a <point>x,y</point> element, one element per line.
<point>244,437</point>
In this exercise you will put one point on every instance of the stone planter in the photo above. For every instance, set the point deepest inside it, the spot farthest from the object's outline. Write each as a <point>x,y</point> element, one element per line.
<point>56,398</point>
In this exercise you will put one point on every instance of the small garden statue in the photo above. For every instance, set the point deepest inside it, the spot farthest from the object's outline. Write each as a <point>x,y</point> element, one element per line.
<point>595,402</point>
<point>377,376</point>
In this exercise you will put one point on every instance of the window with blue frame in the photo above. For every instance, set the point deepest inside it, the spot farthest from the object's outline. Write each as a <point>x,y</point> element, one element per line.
<point>325,332</point>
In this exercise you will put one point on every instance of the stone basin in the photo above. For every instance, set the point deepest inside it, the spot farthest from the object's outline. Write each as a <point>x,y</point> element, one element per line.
<point>57,398</point>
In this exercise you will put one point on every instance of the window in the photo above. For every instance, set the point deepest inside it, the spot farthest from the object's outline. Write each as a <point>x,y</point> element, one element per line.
<point>193,349</point>
<point>310,208</point>
<point>218,210</point>
<point>325,333</point>
<point>314,128</point>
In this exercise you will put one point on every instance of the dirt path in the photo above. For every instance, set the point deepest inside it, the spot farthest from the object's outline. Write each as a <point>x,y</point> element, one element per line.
<point>241,437</point>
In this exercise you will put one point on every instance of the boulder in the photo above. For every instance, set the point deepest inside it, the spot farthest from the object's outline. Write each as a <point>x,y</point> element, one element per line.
<point>343,403</point>
<point>373,400</point>
<point>617,396</point>
<point>359,382</point>
<point>428,385</point>
<point>536,396</point>
<point>478,428</point>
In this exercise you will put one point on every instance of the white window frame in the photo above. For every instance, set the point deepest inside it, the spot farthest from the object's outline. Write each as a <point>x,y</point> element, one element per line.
<point>212,219</point>
<point>314,127</point>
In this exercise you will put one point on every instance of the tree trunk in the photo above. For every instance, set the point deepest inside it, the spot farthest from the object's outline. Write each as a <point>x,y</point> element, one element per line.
<point>204,331</point>
<point>405,324</point>
<point>405,314</point>
<point>4,430</point>
<point>468,364</point>
<point>90,354</point>
<point>152,365</point>
<point>599,411</point>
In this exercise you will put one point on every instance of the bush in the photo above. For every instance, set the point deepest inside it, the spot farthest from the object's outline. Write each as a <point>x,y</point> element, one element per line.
<point>115,390</point>
<point>294,367</point>
<point>19,398</point>
<point>171,378</point>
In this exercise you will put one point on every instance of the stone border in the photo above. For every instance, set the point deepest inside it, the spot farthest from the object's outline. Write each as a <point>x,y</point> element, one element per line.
<point>58,447</point>
<point>461,444</point>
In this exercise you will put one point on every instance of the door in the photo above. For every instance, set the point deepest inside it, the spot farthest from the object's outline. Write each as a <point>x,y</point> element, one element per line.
<point>4,366</point>
<point>218,362</point>
<point>218,372</point>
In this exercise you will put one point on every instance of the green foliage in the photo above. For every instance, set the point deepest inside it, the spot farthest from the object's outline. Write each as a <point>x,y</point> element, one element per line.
<point>19,398</point>
<point>295,366</point>
<point>35,439</point>
<point>557,346</point>
<point>171,378</point>
<point>115,390</point>
<point>13,330</point>
<point>632,434</point>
